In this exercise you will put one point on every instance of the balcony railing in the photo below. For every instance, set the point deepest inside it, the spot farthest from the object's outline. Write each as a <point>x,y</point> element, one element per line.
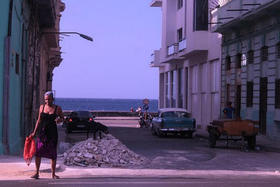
<point>152,58</point>
<point>232,9</point>
<point>155,59</point>
<point>182,45</point>
<point>172,49</point>
<point>223,2</point>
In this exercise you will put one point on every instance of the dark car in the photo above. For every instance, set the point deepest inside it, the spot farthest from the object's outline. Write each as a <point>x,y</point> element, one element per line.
<point>78,120</point>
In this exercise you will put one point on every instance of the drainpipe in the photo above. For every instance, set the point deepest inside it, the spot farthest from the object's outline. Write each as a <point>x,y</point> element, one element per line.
<point>34,62</point>
<point>5,139</point>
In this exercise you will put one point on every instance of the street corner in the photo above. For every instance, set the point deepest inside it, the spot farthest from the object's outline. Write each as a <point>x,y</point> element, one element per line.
<point>19,170</point>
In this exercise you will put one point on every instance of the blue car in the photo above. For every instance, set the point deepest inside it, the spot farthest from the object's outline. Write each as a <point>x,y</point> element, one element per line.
<point>173,121</point>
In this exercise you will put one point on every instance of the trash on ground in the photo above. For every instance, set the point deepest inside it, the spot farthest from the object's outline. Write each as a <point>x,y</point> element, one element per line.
<point>105,152</point>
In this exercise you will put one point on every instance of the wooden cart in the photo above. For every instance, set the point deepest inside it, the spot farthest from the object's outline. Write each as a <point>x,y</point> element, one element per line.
<point>231,129</point>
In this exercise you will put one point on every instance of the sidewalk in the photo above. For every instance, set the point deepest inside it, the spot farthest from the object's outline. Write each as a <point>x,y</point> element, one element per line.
<point>262,141</point>
<point>15,168</point>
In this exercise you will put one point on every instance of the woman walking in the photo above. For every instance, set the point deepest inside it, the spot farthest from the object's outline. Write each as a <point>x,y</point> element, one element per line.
<point>46,129</point>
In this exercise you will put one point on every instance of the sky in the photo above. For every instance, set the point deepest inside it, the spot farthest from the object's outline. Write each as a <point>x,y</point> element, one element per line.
<point>116,63</point>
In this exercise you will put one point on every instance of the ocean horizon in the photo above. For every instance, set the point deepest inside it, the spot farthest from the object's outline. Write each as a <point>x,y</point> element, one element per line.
<point>104,104</point>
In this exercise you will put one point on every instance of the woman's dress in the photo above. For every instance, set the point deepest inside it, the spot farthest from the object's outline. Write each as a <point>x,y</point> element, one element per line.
<point>47,136</point>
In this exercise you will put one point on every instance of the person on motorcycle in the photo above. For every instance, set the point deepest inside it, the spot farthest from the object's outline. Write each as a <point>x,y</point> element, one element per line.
<point>145,108</point>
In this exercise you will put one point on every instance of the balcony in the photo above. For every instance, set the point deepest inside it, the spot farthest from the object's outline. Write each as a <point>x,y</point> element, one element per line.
<point>172,49</point>
<point>156,3</point>
<point>182,45</point>
<point>46,13</point>
<point>232,12</point>
<point>51,39</point>
<point>196,45</point>
<point>155,59</point>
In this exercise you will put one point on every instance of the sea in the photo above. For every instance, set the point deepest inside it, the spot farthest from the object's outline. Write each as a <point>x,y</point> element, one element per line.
<point>104,104</point>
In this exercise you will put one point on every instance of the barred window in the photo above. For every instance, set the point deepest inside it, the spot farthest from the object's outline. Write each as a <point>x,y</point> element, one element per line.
<point>17,64</point>
<point>180,34</point>
<point>179,4</point>
<point>278,50</point>
<point>264,53</point>
<point>228,93</point>
<point>250,57</point>
<point>238,60</point>
<point>228,63</point>
<point>277,93</point>
<point>250,91</point>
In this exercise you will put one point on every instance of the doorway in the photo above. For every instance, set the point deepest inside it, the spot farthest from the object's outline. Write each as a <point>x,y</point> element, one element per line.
<point>263,104</point>
<point>238,101</point>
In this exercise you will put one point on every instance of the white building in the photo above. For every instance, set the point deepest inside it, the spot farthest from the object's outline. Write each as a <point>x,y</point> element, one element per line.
<point>189,59</point>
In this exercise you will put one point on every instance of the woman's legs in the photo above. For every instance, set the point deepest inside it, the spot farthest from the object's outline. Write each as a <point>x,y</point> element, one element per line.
<point>53,169</point>
<point>37,163</point>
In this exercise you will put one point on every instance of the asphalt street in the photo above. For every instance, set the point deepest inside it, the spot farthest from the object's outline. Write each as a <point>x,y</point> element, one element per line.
<point>143,182</point>
<point>175,152</point>
<point>219,167</point>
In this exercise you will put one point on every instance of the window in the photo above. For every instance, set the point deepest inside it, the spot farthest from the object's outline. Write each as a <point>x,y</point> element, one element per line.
<point>228,63</point>
<point>238,60</point>
<point>166,90</point>
<point>277,93</point>
<point>180,88</point>
<point>228,93</point>
<point>278,50</point>
<point>250,90</point>
<point>179,4</point>
<point>49,77</point>
<point>250,57</point>
<point>17,64</point>
<point>180,34</point>
<point>264,53</point>
<point>172,84</point>
<point>187,86</point>
<point>200,21</point>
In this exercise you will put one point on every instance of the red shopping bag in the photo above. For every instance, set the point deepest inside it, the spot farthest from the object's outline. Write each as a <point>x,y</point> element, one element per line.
<point>29,149</point>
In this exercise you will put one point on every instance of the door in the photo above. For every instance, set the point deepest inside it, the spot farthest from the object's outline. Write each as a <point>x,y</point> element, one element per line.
<point>238,101</point>
<point>263,104</point>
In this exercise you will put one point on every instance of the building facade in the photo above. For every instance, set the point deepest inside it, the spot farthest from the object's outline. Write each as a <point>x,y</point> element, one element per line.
<point>251,60</point>
<point>26,58</point>
<point>189,59</point>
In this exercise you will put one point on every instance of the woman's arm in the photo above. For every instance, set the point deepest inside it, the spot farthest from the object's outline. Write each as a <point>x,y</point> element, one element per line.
<point>59,114</point>
<point>38,121</point>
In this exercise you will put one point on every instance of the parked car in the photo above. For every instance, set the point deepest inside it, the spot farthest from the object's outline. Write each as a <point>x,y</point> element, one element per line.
<point>78,120</point>
<point>173,120</point>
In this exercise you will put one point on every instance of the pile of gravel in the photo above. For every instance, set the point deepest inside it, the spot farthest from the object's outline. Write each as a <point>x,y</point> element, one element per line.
<point>105,152</point>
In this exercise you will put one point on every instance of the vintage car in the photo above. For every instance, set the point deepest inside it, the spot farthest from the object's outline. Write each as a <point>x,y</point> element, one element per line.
<point>173,120</point>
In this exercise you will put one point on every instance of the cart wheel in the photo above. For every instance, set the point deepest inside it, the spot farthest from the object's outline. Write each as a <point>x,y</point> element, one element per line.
<point>251,142</point>
<point>212,140</point>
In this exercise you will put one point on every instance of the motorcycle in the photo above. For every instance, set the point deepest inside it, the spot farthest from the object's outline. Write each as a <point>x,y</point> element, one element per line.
<point>145,119</point>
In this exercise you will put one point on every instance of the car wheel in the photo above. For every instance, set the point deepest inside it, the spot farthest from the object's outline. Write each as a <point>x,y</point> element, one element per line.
<point>190,134</point>
<point>153,131</point>
<point>159,134</point>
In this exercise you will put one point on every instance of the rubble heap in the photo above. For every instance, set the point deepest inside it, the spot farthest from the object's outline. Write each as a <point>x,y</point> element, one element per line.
<point>105,152</point>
